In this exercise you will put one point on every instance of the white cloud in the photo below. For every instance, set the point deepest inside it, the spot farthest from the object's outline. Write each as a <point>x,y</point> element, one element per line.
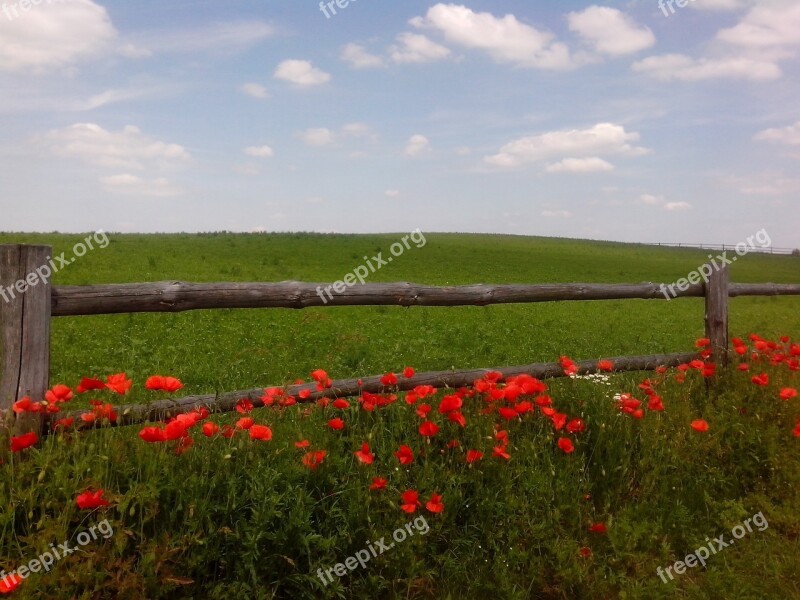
<point>416,48</point>
<point>676,206</point>
<point>602,139</point>
<point>721,5</point>
<point>225,37</point>
<point>259,151</point>
<point>506,39</point>
<point>650,199</point>
<point>417,145</point>
<point>322,136</point>
<point>316,137</point>
<point>789,135</point>
<point>679,67</point>
<point>358,57</point>
<point>557,214</point>
<point>580,165</point>
<point>301,73</point>
<point>134,185</point>
<point>610,31</point>
<point>773,25</point>
<point>392,193</point>
<point>50,36</point>
<point>255,90</point>
<point>126,149</point>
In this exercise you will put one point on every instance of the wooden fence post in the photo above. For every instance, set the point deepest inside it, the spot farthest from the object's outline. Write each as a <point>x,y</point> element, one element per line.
<point>25,307</point>
<point>716,295</point>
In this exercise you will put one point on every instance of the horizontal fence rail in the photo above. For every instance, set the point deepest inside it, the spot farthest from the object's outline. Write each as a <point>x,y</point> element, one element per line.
<point>226,402</point>
<point>177,296</point>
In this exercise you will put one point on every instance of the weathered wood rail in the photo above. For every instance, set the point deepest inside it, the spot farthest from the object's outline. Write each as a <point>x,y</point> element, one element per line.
<point>25,322</point>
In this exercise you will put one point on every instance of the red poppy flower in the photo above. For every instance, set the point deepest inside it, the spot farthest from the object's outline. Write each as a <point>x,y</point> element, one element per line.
<point>605,365</point>
<point>796,431</point>
<point>58,393</point>
<point>576,426</point>
<point>21,442</point>
<point>565,445</point>
<point>655,403</point>
<point>507,413</point>
<point>559,420</point>
<point>314,458</point>
<point>302,444</point>
<point>319,376</point>
<point>152,434</point>
<point>87,384</point>
<point>762,379</point>
<point>699,425</point>
<point>453,444</point>
<point>500,452</point>
<point>423,410</point>
<point>457,417</point>
<point>450,403</point>
<point>9,583</point>
<point>598,528</point>
<point>388,379</point>
<point>428,429</point>
<point>184,444</point>
<point>64,423</point>
<point>163,384</point>
<point>585,552</point>
<point>410,501</point>
<point>702,343</point>
<point>408,372</point>
<point>435,504</point>
<point>378,483</point>
<point>787,393</point>
<point>502,437</point>
<point>474,456</point>
<point>245,423</point>
<point>175,430</point>
<point>260,432</point>
<point>638,414</point>
<point>341,403</point>
<point>543,401</point>
<point>244,406</point>
<point>118,383</point>
<point>405,455</point>
<point>303,394</point>
<point>364,455</point>
<point>210,429</point>
<point>26,405</point>
<point>336,424</point>
<point>89,500</point>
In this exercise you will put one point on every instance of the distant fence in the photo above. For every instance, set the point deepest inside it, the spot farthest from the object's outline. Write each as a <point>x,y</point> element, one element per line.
<point>732,247</point>
<point>25,325</point>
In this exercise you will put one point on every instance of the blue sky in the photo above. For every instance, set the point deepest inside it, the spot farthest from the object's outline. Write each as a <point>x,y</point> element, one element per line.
<point>621,121</point>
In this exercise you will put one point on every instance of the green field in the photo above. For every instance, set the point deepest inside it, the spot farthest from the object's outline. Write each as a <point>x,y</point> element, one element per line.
<point>243,519</point>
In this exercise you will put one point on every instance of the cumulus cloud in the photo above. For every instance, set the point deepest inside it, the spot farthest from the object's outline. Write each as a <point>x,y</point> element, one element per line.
<point>610,31</point>
<point>650,199</point>
<point>773,25</point>
<point>789,135</point>
<point>580,165</point>
<point>318,137</point>
<point>259,151</point>
<point>127,149</point>
<point>359,58</point>
<point>417,145</point>
<point>301,73</point>
<point>602,139</point>
<point>255,90</point>
<point>51,36</point>
<point>416,48</point>
<point>679,67</point>
<point>676,206</point>
<point>505,39</point>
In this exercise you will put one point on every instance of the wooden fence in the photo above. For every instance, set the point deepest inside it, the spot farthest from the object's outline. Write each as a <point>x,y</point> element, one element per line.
<point>26,307</point>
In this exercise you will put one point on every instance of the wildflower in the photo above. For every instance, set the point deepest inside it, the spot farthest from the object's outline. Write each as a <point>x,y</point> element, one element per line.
<point>389,379</point>
<point>565,445</point>
<point>58,393</point>
<point>244,423</point>
<point>378,483</point>
<point>336,424</point>
<point>405,455</point>
<point>787,393</point>
<point>89,500</point>
<point>210,429</point>
<point>699,425</point>
<point>87,384</point>
<point>605,365</point>
<point>408,372</point>
<point>314,458</point>
<point>260,432</point>
<point>598,528</point>
<point>435,504</point>
<point>21,442</point>
<point>500,452</point>
<point>244,406</point>
<point>576,426</point>
<point>118,383</point>
<point>474,456</point>
<point>428,429</point>
<point>762,379</point>
<point>585,552</point>
<point>410,501</point>
<point>302,444</point>
<point>364,455</point>
<point>163,384</point>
